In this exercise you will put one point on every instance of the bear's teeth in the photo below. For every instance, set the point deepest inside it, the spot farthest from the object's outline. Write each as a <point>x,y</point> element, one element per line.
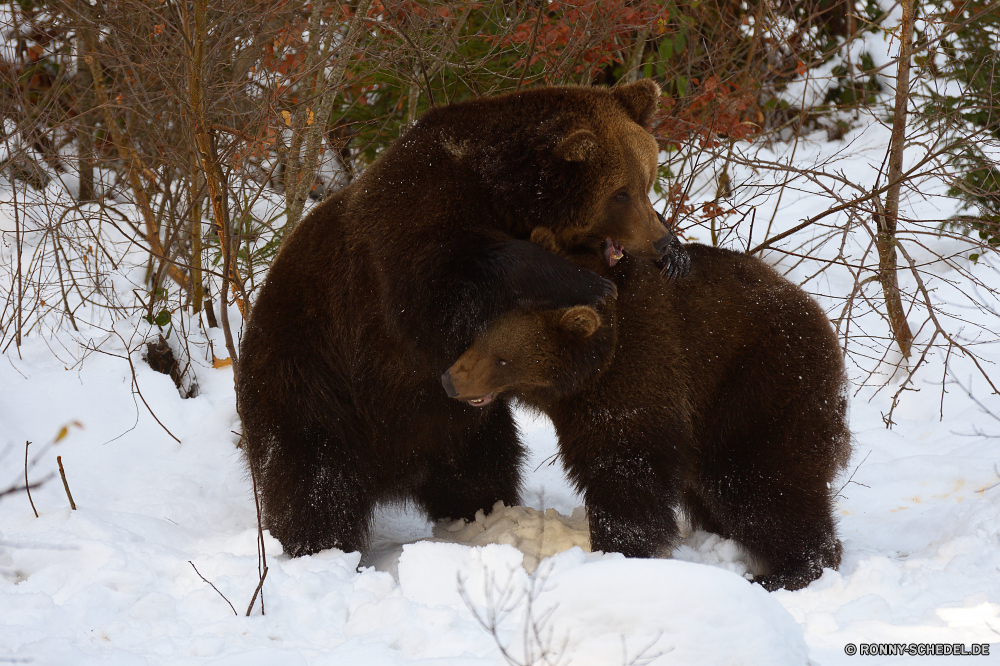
<point>613,251</point>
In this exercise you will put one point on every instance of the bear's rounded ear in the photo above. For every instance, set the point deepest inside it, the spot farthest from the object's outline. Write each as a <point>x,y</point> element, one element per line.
<point>640,100</point>
<point>578,146</point>
<point>546,238</point>
<point>580,320</point>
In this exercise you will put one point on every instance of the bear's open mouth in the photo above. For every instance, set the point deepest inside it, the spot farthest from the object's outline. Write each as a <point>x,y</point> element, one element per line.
<point>480,402</point>
<point>613,251</point>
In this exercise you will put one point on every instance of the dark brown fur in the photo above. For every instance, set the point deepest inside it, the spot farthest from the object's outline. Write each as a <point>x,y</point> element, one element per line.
<point>722,393</point>
<point>385,283</point>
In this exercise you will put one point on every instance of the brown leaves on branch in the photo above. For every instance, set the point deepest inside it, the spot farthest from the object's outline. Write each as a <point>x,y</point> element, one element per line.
<point>716,111</point>
<point>597,31</point>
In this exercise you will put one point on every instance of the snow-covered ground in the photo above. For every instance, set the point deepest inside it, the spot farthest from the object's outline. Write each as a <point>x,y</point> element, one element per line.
<point>114,582</point>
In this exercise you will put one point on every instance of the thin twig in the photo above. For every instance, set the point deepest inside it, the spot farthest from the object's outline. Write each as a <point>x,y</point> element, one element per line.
<point>213,586</point>
<point>20,289</point>
<point>815,218</point>
<point>260,584</point>
<point>944,377</point>
<point>62,473</point>
<point>260,545</point>
<point>997,472</point>
<point>930,313</point>
<point>135,383</point>
<point>968,392</point>
<point>534,39</point>
<point>27,486</point>
<point>909,380</point>
<point>17,489</point>
<point>235,132</point>
<point>851,479</point>
<point>420,58</point>
<point>795,146</point>
<point>753,219</point>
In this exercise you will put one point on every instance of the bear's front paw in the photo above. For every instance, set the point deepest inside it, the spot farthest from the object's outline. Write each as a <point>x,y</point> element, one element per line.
<point>599,289</point>
<point>675,262</point>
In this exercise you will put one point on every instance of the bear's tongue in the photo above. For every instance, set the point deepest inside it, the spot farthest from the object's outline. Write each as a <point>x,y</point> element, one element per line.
<point>481,402</point>
<point>612,251</point>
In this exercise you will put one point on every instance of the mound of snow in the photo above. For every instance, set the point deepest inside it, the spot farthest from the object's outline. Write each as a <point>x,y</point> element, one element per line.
<point>592,609</point>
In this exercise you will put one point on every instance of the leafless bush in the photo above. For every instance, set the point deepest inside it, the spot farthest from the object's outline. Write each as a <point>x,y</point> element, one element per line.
<point>540,641</point>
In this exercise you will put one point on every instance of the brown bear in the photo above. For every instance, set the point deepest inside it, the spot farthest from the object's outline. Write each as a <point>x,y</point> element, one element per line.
<point>388,281</point>
<point>723,393</point>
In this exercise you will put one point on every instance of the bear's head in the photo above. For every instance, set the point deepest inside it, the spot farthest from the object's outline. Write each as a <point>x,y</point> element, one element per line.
<point>526,351</point>
<point>617,157</point>
<point>577,160</point>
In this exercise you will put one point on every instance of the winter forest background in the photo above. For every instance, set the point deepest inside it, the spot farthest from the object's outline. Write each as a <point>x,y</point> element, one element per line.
<point>156,152</point>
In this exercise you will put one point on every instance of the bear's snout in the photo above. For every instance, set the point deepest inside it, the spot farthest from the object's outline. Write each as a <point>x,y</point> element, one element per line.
<point>662,246</point>
<point>449,387</point>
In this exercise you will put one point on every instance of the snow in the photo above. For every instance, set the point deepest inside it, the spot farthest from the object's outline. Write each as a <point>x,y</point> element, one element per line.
<point>572,616</point>
<point>114,581</point>
<point>111,582</point>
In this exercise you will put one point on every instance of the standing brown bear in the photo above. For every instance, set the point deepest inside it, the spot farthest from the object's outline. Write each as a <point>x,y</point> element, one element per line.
<point>722,393</point>
<point>388,281</point>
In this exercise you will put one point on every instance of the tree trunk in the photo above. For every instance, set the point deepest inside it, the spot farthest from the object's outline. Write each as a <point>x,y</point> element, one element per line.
<point>886,238</point>
<point>634,63</point>
<point>197,287</point>
<point>214,179</point>
<point>84,139</point>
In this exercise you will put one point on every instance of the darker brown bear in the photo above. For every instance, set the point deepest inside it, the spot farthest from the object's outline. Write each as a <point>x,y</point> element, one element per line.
<point>385,283</point>
<point>722,393</point>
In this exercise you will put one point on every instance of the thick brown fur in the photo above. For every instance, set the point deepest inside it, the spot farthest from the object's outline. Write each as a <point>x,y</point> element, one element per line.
<point>388,281</point>
<point>722,393</point>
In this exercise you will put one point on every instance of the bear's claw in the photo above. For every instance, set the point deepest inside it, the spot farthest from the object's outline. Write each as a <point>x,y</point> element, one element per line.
<point>600,289</point>
<point>675,262</point>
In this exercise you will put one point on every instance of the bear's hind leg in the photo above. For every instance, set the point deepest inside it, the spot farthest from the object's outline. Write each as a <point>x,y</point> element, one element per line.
<point>476,473</point>
<point>796,551</point>
<point>314,494</point>
<point>785,527</point>
<point>796,574</point>
<point>778,436</point>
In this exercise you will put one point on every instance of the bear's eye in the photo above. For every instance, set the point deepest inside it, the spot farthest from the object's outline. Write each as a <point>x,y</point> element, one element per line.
<point>501,363</point>
<point>621,196</point>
